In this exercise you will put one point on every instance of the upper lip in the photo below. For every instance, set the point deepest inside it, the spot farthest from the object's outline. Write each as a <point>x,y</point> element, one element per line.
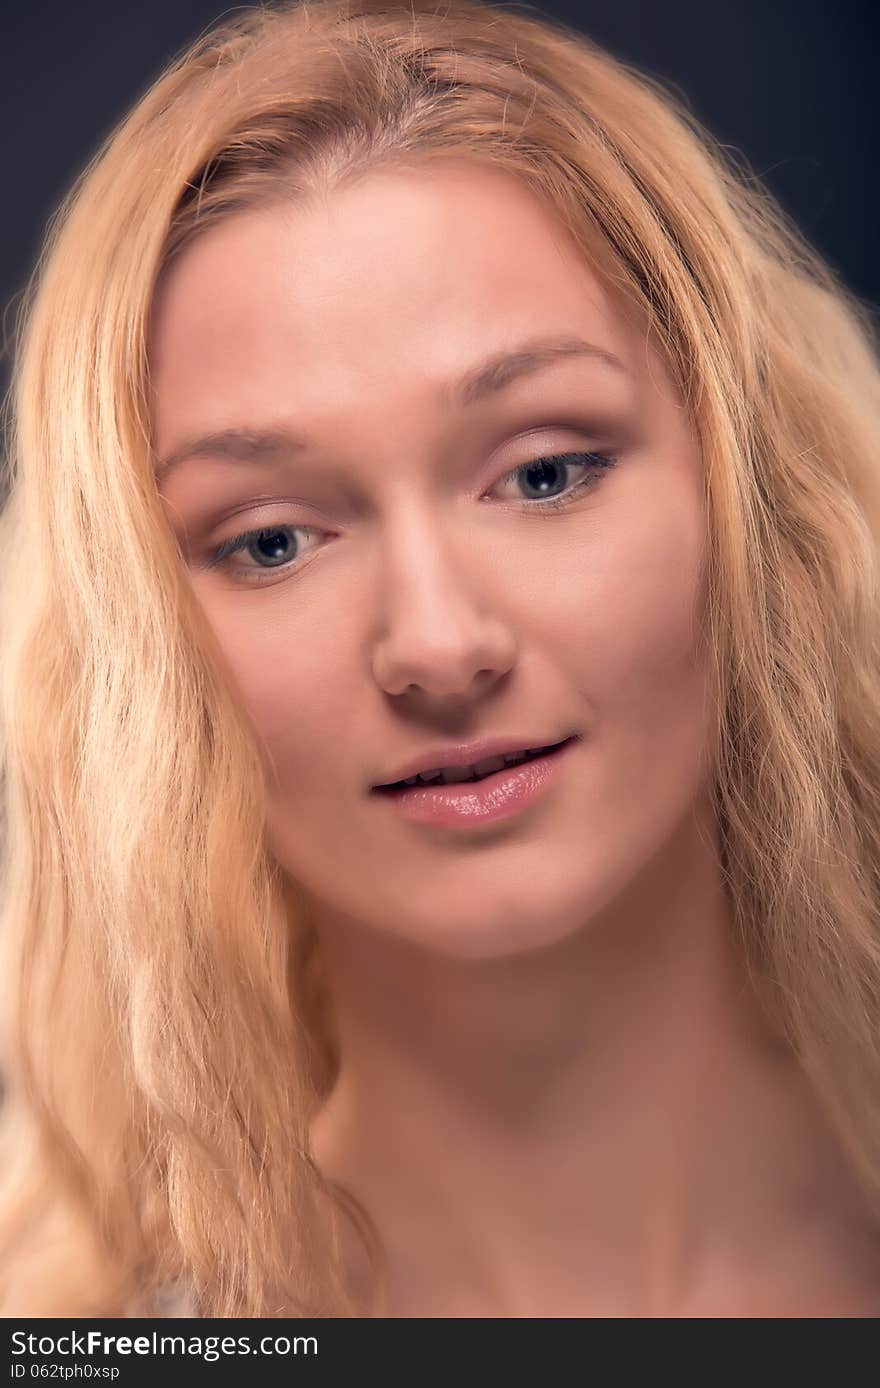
<point>461,754</point>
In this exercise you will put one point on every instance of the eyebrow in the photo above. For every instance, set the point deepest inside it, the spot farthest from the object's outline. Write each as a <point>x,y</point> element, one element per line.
<point>487,378</point>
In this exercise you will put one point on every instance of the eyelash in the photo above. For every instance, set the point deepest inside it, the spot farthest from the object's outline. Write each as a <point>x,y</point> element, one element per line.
<point>592,463</point>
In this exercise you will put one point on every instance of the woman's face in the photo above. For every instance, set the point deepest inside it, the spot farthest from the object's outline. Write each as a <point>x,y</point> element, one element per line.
<point>413,587</point>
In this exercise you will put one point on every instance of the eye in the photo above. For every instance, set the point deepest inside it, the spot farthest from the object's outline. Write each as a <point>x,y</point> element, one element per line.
<point>270,542</point>
<point>547,473</point>
<point>276,545</point>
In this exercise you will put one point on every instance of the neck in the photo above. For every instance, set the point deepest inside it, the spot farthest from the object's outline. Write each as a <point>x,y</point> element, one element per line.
<point>610,1122</point>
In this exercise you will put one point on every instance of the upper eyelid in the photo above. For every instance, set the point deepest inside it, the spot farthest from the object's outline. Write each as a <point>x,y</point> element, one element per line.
<point>570,457</point>
<point>602,421</point>
<point>221,554</point>
<point>536,455</point>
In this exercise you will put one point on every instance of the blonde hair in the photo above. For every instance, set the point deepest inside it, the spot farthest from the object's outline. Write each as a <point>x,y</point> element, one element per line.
<point>166,1038</point>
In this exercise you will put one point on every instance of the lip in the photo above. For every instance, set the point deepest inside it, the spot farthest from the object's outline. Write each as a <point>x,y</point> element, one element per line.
<point>497,796</point>
<point>467,754</point>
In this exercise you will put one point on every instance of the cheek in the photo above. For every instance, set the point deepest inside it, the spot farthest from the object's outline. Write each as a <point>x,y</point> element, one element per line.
<point>644,630</point>
<point>628,597</point>
<point>287,671</point>
<point>644,669</point>
<point>626,623</point>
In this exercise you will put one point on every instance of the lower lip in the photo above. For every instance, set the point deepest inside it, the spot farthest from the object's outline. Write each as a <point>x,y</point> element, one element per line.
<point>495,797</point>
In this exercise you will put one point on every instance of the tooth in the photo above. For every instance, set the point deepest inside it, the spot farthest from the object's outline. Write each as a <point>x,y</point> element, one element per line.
<point>448,775</point>
<point>458,773</point>
<point>490,764</point>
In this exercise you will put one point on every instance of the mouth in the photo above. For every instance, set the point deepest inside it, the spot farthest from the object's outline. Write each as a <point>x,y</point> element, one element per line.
<point>465,775</point>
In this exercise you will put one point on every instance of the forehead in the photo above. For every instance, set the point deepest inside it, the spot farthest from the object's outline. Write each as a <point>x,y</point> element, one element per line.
<point>387,287</point>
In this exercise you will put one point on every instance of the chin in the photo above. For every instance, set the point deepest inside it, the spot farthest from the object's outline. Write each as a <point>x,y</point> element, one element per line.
<point>496,935</point>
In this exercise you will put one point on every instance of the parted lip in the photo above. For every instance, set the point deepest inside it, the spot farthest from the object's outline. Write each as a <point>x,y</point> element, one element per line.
<point>461,754</point>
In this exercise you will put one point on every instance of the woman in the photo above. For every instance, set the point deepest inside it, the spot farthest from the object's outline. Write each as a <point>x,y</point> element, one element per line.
<point>415,392</point>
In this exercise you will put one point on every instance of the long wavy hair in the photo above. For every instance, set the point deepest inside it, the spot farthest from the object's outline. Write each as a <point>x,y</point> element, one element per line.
<point>167,1037</point>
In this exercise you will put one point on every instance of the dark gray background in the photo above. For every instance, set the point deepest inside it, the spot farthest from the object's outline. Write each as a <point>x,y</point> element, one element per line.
<point>788,83</point>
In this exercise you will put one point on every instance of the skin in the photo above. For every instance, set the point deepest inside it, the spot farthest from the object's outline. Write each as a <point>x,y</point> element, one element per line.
<point>558,1096</point>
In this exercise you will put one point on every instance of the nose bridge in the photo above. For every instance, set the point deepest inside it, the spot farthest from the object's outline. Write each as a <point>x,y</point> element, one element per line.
<point>436,627</point>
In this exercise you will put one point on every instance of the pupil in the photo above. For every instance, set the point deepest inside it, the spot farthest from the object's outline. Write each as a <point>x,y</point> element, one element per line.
<point>275,542</point>
<point>544,471</point>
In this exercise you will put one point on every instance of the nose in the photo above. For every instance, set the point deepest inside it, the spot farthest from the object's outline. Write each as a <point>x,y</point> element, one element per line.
<point>439,641</point>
